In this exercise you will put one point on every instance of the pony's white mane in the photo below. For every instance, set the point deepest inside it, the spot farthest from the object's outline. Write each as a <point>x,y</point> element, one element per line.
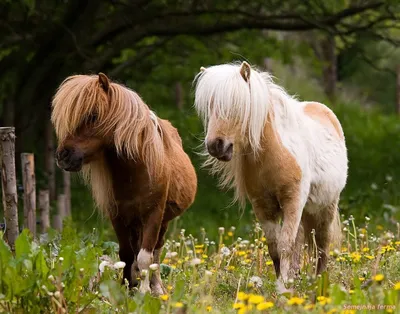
<point>222,90</point>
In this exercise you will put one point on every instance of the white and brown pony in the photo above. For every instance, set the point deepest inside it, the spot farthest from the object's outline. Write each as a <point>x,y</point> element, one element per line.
<point>134,162</point>
<point>287,157</point>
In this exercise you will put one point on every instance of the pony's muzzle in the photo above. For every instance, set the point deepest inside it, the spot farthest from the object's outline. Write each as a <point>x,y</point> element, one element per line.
<point>69,159</point>
<point>220,149</point>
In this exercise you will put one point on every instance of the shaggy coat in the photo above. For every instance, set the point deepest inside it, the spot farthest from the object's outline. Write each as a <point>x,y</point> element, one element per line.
<point>288,158</point>
<point>133,161</point>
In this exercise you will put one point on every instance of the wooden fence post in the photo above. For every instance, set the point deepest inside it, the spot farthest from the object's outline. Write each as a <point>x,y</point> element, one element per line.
<point>179,95</point>
<point>67,192</point>
<point>44,207</point>
<point>49,161</point>
<point>9,183</point>
<point>59,217</point>
<point>29,184</point>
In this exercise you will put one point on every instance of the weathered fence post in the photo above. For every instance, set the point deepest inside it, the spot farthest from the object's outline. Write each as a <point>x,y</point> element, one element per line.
<point>44,207</point>
<point>67,192</point>
<point>268,64</point>
<point>49,161</point>
<point>59,217</point>
<point>29,184</point>
<point>9,183</point>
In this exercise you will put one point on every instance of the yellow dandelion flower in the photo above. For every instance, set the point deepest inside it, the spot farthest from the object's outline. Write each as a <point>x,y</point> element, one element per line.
<point>295,301</point>
<point>332,311</point>
<point>255,299</point>
<point>244,310</point>
<point>231,267</point>
<point>169,287</point>
<point>242,296</point>
<point>369,257</point>
<point>356,257</point>
<point>344,249</point>
<point>269,263</point>
<point>378,277</point>
<point>205,256</point>
<point>387,248</point>
<point>323,300</point>
<point>397,286</point>
<point>397,243</point>
<point>230,233</point>
<point>348,312</point>
<point>264,306</point>
<point>199,251</point>
<point>247,260</point>
<point>241,253</point>
<point>209,308</point>
<point>263,239</point>
<point>178,304</point>
<point>166,260</point>
<point>366,249</point>
<point>237,306</point>
<point>379,227</point>
<point>199,246</point>
<point>389,311</point>
<point>351,291</point>
<point>309,306</point>
<point>164,297</point>
<point>363,230</point>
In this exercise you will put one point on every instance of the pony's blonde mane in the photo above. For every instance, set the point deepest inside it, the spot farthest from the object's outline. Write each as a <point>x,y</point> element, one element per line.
<point>221,90</point>
<point>122,114</point>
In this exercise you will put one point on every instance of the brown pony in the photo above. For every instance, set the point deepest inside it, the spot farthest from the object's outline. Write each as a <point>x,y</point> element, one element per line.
<point>134,162</point>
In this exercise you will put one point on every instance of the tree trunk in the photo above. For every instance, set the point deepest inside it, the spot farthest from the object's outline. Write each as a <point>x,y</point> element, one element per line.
<point>398,90</point>
<point>44,207</point>
<point>67,192</point>
<point>29,183</point>
<point>50,164</point>
<point>329,67</point>
<point>179,95</point>
<point>9,184</point>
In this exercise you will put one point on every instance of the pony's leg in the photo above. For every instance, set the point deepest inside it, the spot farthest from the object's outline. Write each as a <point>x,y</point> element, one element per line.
<point>126,253</point>
<point>326,226</point>
<point>156,284</point>
<point>292,209</point>
<point>296,257</point>
<point>267,214</point>
<point>151,230</point>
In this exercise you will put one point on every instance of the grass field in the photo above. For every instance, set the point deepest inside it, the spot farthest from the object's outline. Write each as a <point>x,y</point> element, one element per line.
<point>71,273</point>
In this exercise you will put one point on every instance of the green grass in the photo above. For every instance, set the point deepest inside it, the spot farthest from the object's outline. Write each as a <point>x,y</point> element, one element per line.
<point>60,273</point>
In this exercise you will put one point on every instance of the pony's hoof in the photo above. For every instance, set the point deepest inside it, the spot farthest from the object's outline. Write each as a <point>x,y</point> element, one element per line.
<point>158,290</point>
<point>281,288</point>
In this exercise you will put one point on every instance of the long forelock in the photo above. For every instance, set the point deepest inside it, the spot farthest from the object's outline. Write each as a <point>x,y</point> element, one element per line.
<point>135,130</point>
<point>221,90</point>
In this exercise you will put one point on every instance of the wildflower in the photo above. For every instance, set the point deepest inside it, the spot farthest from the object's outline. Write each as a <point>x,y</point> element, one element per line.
<point>379,227</point>
<point>386,248</point>
<point>309,306</point>
<point>241,253</point>
<point>397,286</point>
<point>195,261</point>
<point>263,239</point>
<point>264,306</point>
<point>225,251</point>
<point>61,259</point>
<point>103,265</point>
<point>231,267</point>
<point>119,265</point>
<point>204,256</point>
<point>199,246</point>
<point>255,299</point>
<point>348,312</point>
<point>242,296</point>
<point>178,304</point>
<point>164,297</point>
<point>323,300</point>
<point>230,233</point>
<point>351,291</point>
<point>256,281</point>
<point>369,257</point>
<point>169,287</point>
<point>295,301</point>
<point>378,277</point>
<point>209,308</point>
<point>361,278</point>
<point>366,249</point>
<point>237,306</point>
<point>221,230</point>
<point>356,257</point>
<point>332,311</point>
<point>397,243</point>
<point>269,263</point>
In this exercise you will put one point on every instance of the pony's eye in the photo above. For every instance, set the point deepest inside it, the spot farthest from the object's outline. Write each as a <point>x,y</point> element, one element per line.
<point>92,118</point>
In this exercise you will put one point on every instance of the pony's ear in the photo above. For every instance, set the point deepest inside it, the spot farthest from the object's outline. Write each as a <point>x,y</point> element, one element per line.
<point>104,81</point>
<point>202,69</point>
<point>245,71</point>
